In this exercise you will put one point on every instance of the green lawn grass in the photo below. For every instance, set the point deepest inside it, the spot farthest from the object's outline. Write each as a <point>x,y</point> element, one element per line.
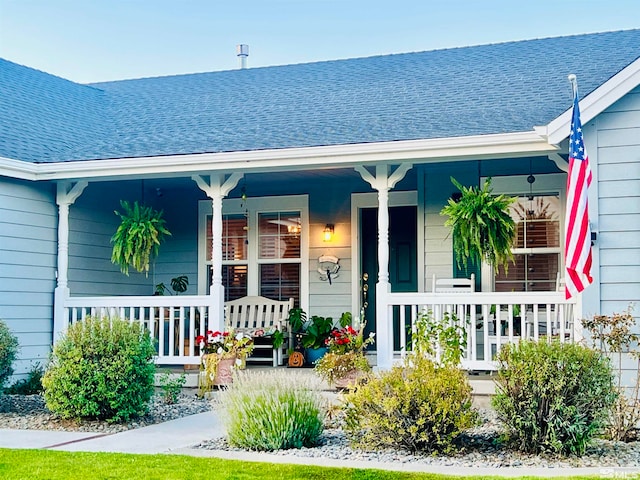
<point>53,465</point>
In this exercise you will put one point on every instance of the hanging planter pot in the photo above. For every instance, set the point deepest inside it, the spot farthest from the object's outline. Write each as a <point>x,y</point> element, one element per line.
<point>137,239</point>
<point>481,225</point>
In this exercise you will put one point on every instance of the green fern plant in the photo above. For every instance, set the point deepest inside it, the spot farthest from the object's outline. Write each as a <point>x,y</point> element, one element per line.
<point>481,225</point>
<point>138,237</point>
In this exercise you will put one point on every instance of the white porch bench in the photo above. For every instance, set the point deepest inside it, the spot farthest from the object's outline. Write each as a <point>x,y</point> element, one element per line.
<point>254,314</point>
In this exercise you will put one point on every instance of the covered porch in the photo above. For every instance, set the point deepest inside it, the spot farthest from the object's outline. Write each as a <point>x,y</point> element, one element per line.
<point>219,241</point>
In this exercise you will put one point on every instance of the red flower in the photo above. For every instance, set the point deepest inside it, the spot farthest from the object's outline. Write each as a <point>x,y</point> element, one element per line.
<point>347,339</point>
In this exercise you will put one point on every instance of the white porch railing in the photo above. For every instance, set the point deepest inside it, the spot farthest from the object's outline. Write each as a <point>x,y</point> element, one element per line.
<point>173,322</point>
<point>544,315</point>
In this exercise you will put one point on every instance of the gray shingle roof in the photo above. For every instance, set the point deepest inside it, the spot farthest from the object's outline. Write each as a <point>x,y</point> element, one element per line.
<point>42,117</point>
<point>500,88</point>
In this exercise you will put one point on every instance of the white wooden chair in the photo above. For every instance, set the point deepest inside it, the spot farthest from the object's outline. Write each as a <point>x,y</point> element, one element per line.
<point>258,316</point>
<point>454,285</point>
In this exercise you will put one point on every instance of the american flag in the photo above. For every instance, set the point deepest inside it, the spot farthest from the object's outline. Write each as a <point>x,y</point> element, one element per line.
<point>577,246</point>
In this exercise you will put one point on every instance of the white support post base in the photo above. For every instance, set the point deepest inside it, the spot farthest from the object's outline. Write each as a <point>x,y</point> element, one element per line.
<point>60,319</point>
<point>384,329</point>
<point>215,322</point>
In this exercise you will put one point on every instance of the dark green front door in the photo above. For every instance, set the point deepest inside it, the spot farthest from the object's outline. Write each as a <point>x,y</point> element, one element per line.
<point>403,264</point>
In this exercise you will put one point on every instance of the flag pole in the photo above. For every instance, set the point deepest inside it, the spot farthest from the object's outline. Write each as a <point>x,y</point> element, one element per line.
<point>573,80</point>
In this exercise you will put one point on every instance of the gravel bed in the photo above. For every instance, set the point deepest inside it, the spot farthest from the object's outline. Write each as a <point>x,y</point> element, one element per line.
<point>478,447</point>
<point>28,412</point>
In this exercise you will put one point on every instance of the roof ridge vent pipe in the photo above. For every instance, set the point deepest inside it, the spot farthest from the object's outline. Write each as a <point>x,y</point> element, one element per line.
<point>242,51</point>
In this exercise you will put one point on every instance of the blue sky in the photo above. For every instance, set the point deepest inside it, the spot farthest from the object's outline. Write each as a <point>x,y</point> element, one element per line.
<point>96,40</point>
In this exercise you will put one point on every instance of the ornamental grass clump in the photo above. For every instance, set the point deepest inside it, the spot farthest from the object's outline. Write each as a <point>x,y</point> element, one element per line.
<point>552,397</point>
<point>102,369</point>
<point>272,411</point>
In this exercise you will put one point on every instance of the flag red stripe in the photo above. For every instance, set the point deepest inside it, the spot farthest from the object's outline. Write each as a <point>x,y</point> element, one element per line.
<point>573,204</point>
<point>578,260</point>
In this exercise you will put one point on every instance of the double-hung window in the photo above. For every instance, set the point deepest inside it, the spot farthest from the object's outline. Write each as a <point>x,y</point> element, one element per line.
<point>263,247</point>
<point>538,213</point>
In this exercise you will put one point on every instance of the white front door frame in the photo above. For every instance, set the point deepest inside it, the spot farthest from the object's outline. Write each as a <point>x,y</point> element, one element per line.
<point>370,200</point>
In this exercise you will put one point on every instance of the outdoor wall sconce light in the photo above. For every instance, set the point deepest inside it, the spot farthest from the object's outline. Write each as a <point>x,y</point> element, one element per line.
<point>327,233</point>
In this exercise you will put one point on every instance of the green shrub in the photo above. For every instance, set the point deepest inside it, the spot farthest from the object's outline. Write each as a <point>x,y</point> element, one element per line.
<point>8,352</point>
<point>30,385</point>
<point>272,411</point>
<point>552,397</point>
<point>171,386</point>
<point>417,406</point>
<point>613,335</point>
<point>443,340</point>
<point>100,369</point>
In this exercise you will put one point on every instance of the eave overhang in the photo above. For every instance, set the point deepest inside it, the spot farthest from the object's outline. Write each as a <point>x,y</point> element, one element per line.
<point>307,158</point>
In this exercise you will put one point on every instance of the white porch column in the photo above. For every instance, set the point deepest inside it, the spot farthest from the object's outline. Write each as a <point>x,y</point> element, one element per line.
<point>66,195</point>
<point>383,182</point>
<point>217,188</point>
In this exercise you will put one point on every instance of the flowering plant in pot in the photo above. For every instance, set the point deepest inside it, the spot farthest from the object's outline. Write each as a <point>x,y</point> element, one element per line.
<point>221,353</point>
<point>345,363</point>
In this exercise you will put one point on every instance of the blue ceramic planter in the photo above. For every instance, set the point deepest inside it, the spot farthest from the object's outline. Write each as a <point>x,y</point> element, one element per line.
<point>315,354</point>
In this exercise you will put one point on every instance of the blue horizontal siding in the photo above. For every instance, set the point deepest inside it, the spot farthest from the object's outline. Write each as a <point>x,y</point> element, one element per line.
<point>28,252</point>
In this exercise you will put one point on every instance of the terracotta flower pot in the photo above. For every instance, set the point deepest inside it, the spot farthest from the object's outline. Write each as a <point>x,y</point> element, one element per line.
<point>350,379</point>
<point>216,371</point>
<point>224,372</point>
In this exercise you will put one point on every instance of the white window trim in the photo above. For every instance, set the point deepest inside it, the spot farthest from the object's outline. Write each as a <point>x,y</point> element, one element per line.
<point>257,205</point>
<point>517,185</point>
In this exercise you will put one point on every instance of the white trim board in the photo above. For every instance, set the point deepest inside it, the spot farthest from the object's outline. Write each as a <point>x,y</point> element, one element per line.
<point>430,150</point>
<point>595,103</point>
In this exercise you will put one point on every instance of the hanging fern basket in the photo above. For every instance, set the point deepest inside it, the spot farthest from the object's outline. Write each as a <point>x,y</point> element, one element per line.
<point>481,226</point>
<point>137,239</point>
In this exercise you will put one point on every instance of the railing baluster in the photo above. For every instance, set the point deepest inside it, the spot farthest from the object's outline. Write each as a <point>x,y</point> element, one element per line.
<point>561,320</point>
<point>161,349</point>
<point>403,331</point>
<point>192,327</point>
<point>473,354</point>
<point>182,326</point>
<point>172,332</point>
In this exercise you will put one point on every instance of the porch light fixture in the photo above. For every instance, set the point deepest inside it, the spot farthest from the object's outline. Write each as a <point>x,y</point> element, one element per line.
<point>327,233</point>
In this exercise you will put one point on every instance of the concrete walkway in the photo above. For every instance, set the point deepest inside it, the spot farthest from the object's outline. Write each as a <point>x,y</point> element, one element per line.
<point>179,436</point>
